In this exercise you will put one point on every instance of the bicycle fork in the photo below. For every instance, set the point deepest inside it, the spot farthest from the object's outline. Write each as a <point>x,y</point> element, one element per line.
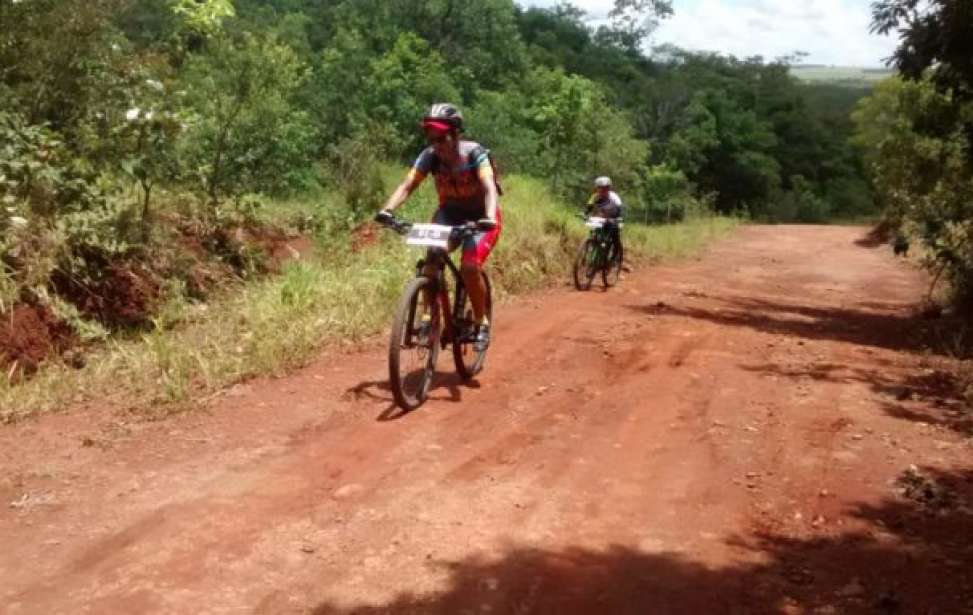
<point>436,293</point>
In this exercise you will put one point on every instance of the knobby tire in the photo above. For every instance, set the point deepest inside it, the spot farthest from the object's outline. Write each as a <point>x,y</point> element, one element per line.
<point>468,362</point>
<point>584,273</point>
<point>411,389</point>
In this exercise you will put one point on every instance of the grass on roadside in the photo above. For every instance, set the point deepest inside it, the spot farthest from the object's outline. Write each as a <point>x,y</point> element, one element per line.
<point>278,323</point>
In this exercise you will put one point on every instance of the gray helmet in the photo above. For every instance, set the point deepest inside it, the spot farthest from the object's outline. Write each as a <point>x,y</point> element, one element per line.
<point>445,113</point>
<point>603,182</point>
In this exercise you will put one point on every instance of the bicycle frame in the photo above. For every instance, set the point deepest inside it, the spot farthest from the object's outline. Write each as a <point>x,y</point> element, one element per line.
<point>602,243</point>
<point>603,240</point>
<point>443,263</point>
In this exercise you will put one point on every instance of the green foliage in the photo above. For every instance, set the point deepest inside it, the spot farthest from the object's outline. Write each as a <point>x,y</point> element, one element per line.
<point>807,206</point>
<point>145,145</point>
<point>203,16</point>
<point>338,80</point>
<point>918,156</point>
<point>693,137</point>
<point>504,121</point>
<point>581,134</point>
<point>936,128</point>
<point>356,164</point>
<point>58,219</point>
<point>480,38</point>
<point>400,86</point>
<point>665,192</point>
<point>246,135</point>
<point>739,130</point>
<point>55,58</point>
<point>935,34</point>
<point>850,198</point>
<point>632,21</point>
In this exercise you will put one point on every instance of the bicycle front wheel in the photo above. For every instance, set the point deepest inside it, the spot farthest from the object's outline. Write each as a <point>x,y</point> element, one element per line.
<point>414,344</point>
<point>584,270</point>
<point>468,361</point>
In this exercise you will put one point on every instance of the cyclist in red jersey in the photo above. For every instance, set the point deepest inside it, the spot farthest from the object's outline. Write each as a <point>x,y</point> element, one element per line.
<point>467,193</point>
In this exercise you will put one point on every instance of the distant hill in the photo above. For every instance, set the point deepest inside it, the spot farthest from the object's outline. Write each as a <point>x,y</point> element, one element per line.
<point>846,75</point>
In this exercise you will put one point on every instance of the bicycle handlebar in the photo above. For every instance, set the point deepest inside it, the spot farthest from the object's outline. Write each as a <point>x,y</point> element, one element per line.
<point>402,227</point>
<point>586,216</point>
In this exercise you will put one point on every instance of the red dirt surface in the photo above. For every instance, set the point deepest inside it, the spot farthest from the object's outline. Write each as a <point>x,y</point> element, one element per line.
<point>365,236</point>
<point>28,335</point>
<point>757,431</point>
<point>289,249</point>
<point>125,295</point>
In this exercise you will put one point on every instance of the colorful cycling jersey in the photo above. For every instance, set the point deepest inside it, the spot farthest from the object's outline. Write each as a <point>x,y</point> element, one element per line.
<point>609,206</point>
<point>460,187</point>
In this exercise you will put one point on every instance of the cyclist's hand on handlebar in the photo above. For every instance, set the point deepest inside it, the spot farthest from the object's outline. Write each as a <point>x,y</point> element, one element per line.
<point>385,217</point>
<point>486,224</point>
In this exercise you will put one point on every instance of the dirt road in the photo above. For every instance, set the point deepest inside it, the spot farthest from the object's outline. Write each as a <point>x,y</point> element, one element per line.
<point>727,435</point>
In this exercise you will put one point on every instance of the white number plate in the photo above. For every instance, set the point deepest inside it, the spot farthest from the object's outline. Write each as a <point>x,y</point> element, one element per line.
<point>429,235</point>
<point>595,222</point>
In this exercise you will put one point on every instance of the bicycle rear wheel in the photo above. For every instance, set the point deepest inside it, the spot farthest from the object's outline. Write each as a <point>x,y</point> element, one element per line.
<point>613,268</point>
<point>414,344</point>
<point>584,269</point>
<point>468,361</point>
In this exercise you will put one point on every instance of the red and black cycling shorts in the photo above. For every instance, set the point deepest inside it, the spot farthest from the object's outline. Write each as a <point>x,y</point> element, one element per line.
<point>477,248</point>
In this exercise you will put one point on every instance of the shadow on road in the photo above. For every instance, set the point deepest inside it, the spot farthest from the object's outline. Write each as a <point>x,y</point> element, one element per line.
<point>866,328</point>
<point>876,237</point>
<point>909,555</point>
<point>379,390</point>
<point>929,397</point>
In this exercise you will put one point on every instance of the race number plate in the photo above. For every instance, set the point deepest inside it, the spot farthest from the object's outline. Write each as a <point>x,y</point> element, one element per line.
<point>595,222</point>
<point>429,235</point>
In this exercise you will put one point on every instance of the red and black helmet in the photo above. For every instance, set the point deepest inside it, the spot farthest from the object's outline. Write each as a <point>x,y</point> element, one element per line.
<point>443,116</point>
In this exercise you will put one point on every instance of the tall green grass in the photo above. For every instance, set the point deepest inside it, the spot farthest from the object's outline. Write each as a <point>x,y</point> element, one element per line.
<point>277,323</point>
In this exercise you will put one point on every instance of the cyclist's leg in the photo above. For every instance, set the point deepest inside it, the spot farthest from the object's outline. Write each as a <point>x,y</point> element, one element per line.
<point>618,244</point>
<point>475,252</point>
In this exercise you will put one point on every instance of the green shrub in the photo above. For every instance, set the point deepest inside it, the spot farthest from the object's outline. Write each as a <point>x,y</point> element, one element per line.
<point>246,135</point>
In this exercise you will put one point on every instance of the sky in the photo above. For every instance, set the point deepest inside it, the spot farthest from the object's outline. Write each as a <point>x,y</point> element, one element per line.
<point>833,32</point>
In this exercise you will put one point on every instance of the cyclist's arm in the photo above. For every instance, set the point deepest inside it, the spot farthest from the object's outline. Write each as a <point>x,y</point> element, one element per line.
<point>485,173</point>
<point>420,168</point>
<point>590,205</point>
<point>405,190</point>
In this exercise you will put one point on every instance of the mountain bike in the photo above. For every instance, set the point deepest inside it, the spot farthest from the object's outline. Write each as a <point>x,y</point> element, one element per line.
<point>428,319</point>
<point>597,254</point>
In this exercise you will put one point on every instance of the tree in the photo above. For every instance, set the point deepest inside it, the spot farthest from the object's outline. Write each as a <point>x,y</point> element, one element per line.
<point>919,135</point>
<point>933,34</point>
<point>246,134</point>
<point>923,177</point>
<point>55,55</point>
<point>204,17</point>
<point>633,21</point>
<point>401,85</point>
